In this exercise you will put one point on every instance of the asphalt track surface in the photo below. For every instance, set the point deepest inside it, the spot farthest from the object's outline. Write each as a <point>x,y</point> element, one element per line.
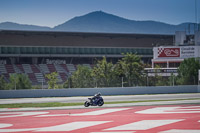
<point>134,119</point>
<point>106,98</point>
<point>154,117</point>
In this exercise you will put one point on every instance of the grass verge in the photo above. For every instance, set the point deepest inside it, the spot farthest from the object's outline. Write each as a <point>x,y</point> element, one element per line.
<point>58,104</point>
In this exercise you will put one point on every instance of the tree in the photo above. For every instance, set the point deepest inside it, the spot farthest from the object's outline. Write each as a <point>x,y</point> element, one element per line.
<point>2,83</point>
<point>188,72</point>
<point>82,77</point>
<point>157,79</point>
<point>131,68</point>
<point>52,80</point>
<point>19,81</point>
<point>104,73</point>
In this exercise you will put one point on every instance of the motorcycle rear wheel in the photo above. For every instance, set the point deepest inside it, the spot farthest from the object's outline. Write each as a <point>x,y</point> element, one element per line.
<point>86,104</point>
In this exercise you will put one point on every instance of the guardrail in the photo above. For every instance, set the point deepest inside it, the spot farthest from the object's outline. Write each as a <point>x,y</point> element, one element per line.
<point>91,91</point>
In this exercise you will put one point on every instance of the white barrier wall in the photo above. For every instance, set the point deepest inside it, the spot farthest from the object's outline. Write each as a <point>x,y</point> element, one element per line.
<point>92,91</point>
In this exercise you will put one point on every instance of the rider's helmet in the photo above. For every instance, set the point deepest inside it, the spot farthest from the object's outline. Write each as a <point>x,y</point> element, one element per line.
<point>98,94</point>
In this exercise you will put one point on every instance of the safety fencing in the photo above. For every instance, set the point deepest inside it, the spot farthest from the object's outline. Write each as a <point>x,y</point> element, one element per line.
<point>91,91</point>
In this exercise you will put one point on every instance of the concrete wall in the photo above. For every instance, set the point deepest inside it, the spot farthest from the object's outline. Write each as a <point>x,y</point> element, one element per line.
<point>92,91</point>
<point>198,88</point>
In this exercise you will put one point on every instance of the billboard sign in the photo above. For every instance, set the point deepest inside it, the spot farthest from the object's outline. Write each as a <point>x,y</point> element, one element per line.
<point>168,52</point>
<point>188,52</point>
<point>178,52</point>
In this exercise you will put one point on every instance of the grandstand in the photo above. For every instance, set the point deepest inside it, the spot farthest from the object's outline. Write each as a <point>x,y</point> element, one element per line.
<point>37,53</point>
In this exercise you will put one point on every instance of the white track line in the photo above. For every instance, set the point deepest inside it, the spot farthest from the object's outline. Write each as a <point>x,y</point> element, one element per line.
<point>100,112</point>
<point>144,124</point>
<point>97,112</point>
<point>170,110</point>
<point>180,131</point>
<point>72,126</point>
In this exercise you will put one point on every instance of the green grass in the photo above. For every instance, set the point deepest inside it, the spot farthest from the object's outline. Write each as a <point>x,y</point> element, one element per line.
<point>26,105</point>
<point>58,104</point>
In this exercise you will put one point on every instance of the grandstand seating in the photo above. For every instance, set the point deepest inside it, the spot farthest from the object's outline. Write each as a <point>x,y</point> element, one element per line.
<point>64,67</point>
<point>36,72</point>
<point>71,68</point>
<point>44,68</point>
<point>9,69</point>
<point>27,68</point>
<point>19,66</point>
<point>63,76</point>
<point>32,77</point>
<point>28,50</point>
<point>35,68</point>
<point>16,69</point>
<point>3,69</point>
<point>40,77</point>
<point>51,68</point>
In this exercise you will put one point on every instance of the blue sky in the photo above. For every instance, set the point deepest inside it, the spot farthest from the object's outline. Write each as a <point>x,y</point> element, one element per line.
<point>53,12</point>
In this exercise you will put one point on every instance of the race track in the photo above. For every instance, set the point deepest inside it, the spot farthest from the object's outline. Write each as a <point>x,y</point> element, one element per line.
<point>106,98</point>
<point>135,119</point>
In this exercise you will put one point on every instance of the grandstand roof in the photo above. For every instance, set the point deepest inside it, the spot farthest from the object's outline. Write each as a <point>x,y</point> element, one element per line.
<point>80,39</point>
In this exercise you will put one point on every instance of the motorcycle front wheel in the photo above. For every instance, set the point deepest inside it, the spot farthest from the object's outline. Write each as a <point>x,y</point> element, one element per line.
<point>100,103</point>
<point>86,104</point>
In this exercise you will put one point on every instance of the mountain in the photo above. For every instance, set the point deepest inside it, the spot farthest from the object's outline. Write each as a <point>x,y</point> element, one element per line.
<point>103,22</point>
<point>15,26</point>
<point>99,21</point>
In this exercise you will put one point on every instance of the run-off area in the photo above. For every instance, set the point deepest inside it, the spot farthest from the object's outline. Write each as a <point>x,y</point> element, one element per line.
<point>138,119</point>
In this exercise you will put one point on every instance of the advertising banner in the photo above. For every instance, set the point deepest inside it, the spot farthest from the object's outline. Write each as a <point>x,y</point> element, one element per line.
<point>188,52</point>
<point>176,52</point>
<point>168,52</point>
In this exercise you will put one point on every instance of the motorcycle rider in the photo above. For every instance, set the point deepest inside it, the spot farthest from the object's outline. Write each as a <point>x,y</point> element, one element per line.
<point>96,97</point>
<point>96,100</point>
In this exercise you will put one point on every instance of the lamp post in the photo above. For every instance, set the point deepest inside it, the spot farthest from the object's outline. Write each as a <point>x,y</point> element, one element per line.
<point>42,83</point>
<point>69,78</point>
<point>199,77</point>
<point>15,83</point>
<point>147,80</point>
<point>122,82</point>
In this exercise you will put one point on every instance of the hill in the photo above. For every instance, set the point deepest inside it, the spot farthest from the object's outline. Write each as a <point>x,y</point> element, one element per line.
<point>15,26</point>
<point>99,21</point>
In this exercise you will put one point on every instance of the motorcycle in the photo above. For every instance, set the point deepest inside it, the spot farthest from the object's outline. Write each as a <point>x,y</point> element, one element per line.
<point>94,102</point>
